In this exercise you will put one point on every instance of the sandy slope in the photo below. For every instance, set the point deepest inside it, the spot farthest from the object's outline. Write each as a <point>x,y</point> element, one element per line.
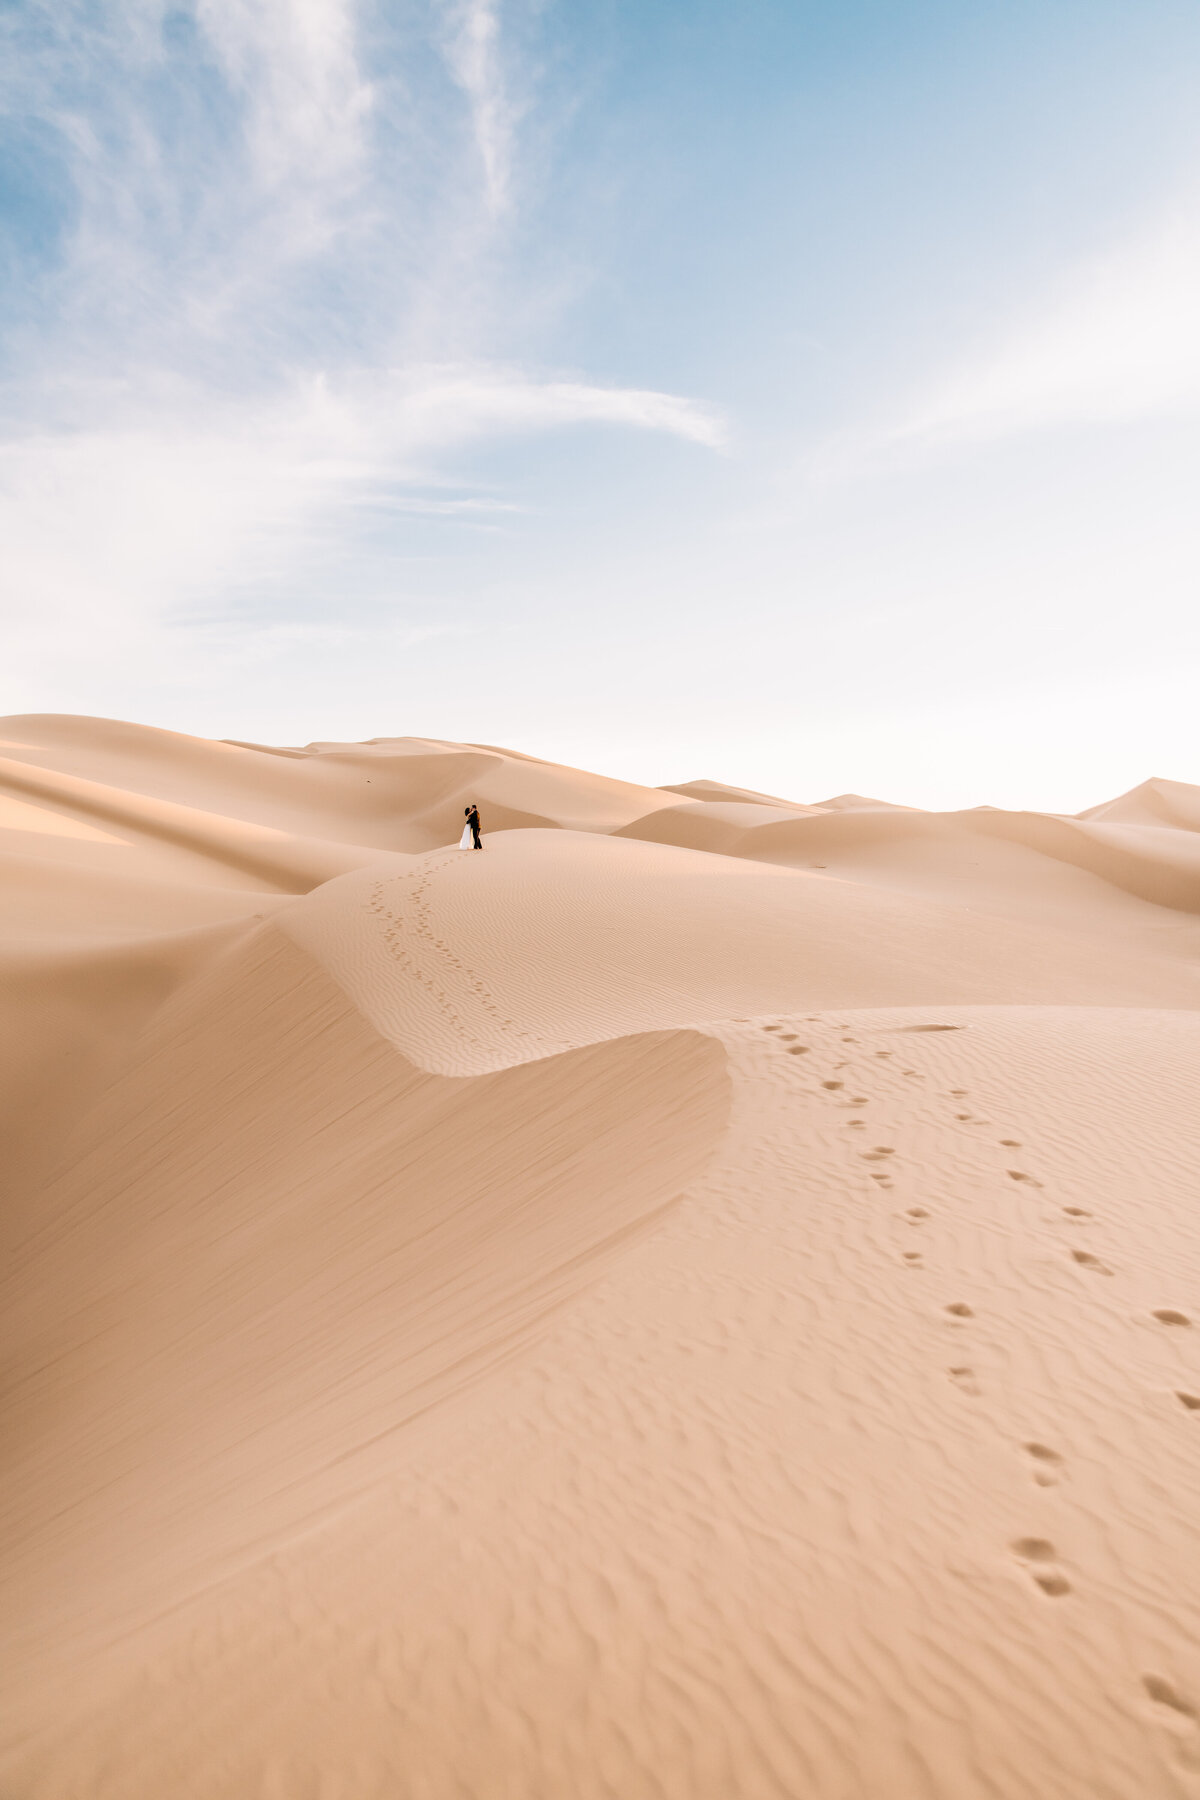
<point>700,1300</point>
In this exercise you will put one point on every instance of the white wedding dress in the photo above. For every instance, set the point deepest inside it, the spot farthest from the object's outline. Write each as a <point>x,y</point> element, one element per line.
<point>465,841</point>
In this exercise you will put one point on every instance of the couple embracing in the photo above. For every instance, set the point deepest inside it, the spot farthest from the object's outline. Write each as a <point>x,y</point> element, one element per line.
<point>470,839</point>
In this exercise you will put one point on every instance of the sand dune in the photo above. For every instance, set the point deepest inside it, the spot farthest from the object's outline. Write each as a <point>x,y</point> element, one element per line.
<point>275,1242</point>
<point>700,1300</point>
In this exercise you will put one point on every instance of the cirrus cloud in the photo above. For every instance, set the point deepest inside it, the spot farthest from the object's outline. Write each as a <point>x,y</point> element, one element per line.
<point>1118,339</point>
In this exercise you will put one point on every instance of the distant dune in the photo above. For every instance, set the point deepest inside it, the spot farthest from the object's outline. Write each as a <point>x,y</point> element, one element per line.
<point>699,1300</point>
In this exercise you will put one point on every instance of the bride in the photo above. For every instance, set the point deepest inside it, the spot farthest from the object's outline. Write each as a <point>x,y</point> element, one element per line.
<point>470,839</point>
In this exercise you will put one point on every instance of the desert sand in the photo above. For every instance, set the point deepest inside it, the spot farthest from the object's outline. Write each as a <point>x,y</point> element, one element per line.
<point>700,1300</point>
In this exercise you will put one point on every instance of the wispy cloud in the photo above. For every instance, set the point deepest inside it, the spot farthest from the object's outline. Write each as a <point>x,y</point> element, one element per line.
<point>138,512</point>
<point>1118,339</point>
<point>473,51</point>
<point>447,406</point>
<point>259,205</point>
<point>1114,340</point>
<point>295,65</point>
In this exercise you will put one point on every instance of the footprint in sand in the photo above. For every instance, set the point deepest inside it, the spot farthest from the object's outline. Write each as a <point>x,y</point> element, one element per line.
<point>1086,1260</point>
<point>912,1258</point>
<point>959,1093</point>
<point>787,1037</point>
<point>933,1028</point>
<point>962,1116</point>
<point>1191,1401</point>
<point>772,1028</point>
<point>915,1214</point>
<point>1046,1464</point>
<point>1163,1692</point>
<point>1167,1315</point>
<point>878,1153</point>
<point>1038,1555</point>
<point>831,1085</point>
<point>883,1053</point>
<point>965,1379</point>
<point>1011,1143</point>
<point>1076,1212</point>
<point>1019,1175</point>
<point>960,1310</point>
<point>798,1050</point>
<point>1177,1713</point>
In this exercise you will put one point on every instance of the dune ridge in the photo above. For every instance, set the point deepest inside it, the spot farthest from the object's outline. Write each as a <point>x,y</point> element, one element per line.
<point>702,1299</point>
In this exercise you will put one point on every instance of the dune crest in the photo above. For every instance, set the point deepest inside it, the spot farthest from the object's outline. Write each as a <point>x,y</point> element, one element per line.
<point>700,1300</point>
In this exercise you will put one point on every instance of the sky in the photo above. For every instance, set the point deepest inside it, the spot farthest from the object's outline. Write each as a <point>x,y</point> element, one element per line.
<point>799,395</point>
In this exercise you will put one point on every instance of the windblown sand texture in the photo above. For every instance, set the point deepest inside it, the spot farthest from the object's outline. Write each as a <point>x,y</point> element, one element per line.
<point>698,1301</point>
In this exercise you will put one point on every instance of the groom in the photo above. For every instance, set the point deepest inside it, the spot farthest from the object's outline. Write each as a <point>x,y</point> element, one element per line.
<point>473,822</point>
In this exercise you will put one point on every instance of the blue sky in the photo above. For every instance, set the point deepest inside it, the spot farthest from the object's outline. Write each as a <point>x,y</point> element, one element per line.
<point>806,396</point>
